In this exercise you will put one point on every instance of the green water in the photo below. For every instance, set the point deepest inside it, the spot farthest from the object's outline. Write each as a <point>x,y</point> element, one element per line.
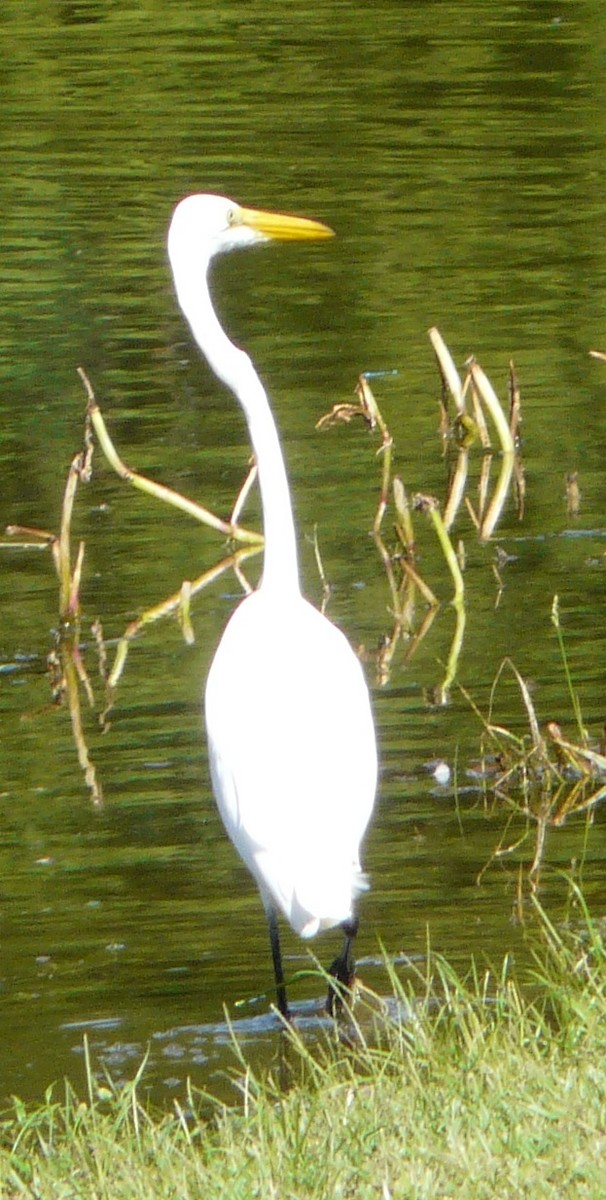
<point>457,150</point>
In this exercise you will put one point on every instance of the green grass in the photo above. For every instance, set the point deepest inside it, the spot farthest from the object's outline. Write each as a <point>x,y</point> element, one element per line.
<point>475,1091</point>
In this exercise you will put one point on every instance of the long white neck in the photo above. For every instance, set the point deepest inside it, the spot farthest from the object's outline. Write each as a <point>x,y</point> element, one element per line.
<point>235,369</point>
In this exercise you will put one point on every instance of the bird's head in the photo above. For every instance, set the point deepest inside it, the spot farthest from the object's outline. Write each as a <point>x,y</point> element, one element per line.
<point>205,225</point>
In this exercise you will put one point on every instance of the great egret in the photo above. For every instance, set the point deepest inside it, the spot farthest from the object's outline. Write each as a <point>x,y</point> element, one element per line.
<point>290,731</point>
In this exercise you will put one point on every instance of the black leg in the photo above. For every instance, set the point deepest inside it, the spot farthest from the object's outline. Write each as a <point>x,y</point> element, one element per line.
<point>343,969</point>
<point>274,937</point>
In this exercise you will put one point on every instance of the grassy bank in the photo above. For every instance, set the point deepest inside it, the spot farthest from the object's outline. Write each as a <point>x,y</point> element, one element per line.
<point>471,1091</point>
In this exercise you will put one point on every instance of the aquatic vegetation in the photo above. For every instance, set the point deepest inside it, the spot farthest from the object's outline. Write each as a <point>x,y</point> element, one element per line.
<point>540,775</point>
<point>543,776</point>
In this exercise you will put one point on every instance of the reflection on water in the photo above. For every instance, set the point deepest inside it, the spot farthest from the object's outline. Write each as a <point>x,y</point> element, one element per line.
<point>201,1051</point>
<point>457,161</point>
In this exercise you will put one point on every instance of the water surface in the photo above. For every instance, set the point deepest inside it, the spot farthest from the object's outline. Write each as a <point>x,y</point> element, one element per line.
<point>457,151</point>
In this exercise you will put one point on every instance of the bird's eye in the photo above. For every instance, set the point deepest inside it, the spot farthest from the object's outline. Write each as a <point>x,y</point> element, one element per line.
<point>231,216</point>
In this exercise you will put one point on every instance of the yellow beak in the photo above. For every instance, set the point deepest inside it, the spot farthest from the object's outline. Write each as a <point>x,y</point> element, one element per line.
<point>282,227</point>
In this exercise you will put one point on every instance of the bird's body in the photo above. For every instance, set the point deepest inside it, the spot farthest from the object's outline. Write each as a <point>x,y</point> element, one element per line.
<point>289,721</point>
<point>289,724</point>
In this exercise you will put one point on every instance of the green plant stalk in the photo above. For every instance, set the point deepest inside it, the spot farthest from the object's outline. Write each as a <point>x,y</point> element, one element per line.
<point>479,419</point>
<point>449,553</point>
<point>174,603</point>
<point>386,451</point>
<point>374,416</point>
<point>160,492</point>
<point>429,597</point>
<point>73,673</point>
<point>456,489</point>
<point>404,526</point>
<point>499,496</point>
<point>448,371</point>
<point>574,698</point>
<point>389,571</point>
<point>68,604</point>
<point>455,647</point>
<point>491,400</point>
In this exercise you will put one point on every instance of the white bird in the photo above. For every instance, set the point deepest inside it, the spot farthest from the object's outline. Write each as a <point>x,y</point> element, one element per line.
<point>290,732</point>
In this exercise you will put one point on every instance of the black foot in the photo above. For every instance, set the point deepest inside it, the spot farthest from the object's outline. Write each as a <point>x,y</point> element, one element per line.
<point>343,971</point>
<point>282,1005</point>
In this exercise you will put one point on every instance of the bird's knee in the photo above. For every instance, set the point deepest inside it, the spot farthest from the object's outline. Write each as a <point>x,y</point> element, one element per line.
<point>350,927</point>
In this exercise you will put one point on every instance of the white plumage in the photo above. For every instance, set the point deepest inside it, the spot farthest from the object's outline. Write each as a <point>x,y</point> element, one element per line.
<point>290,730</point>
<point>290,722</point>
